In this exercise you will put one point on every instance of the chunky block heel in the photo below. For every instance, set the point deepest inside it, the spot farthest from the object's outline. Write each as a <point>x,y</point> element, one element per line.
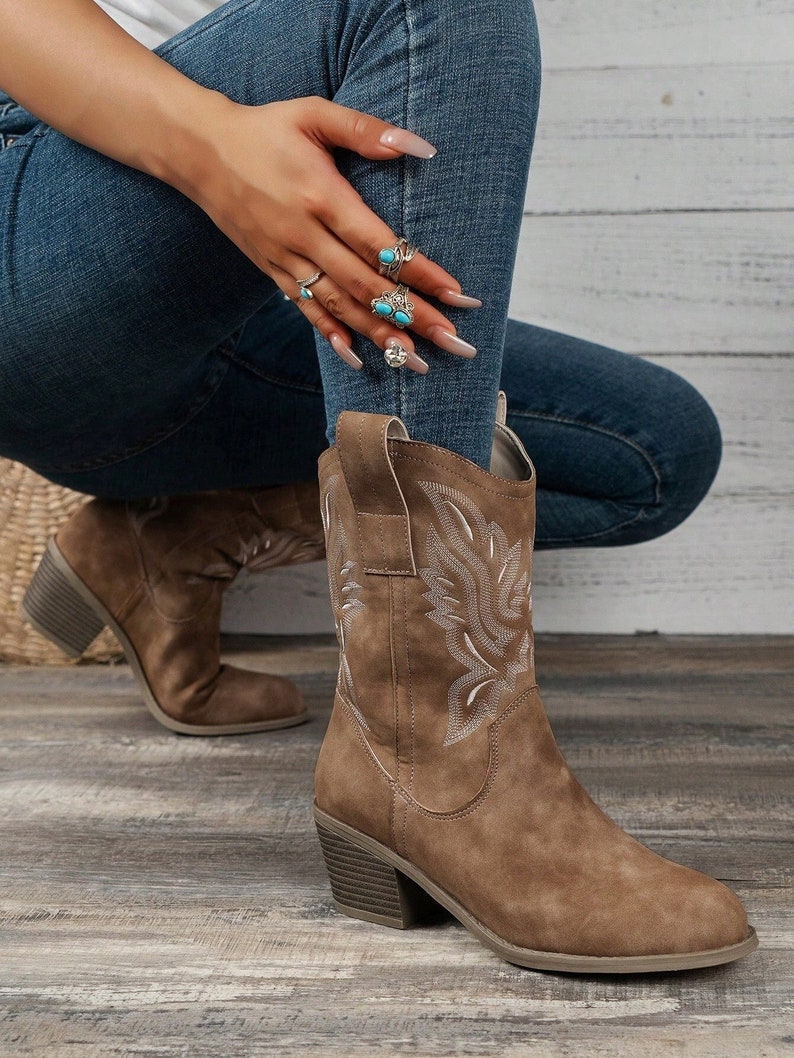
<point>57,604</point>
<point>365,887</point>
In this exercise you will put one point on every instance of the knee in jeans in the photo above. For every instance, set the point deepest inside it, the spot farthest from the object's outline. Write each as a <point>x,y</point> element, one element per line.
<point>689,457</point>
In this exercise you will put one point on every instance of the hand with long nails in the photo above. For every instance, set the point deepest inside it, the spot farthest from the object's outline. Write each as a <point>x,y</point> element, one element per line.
<point>265,175</point>
<point>274,189</point>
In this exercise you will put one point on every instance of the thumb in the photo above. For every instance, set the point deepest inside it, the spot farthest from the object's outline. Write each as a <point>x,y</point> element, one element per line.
<point>368,136</point>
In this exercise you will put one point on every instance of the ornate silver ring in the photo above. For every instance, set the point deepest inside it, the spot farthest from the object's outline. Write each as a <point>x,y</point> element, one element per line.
<point>304,285</point>
<point>392,258</point>
<point>395,306</point>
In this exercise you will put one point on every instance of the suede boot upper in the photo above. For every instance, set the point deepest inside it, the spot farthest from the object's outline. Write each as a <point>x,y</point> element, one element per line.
<point>438,746</point>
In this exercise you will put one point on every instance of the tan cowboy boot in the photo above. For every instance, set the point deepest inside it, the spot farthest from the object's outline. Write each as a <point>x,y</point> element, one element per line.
<point>155,571</point>
<point>439,780</point>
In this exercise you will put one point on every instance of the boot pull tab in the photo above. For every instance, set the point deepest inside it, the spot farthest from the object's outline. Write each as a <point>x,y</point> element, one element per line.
<point>384,528</point>
<point>501,408</point>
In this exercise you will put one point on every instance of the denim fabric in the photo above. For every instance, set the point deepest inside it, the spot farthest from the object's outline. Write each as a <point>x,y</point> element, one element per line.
<point>141,353</point>
<point>106,267</point>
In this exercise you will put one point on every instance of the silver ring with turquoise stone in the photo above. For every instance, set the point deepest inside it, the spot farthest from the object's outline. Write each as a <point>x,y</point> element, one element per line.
<point>392,258</point>
<point>394,306</point>
<point>304,285</point>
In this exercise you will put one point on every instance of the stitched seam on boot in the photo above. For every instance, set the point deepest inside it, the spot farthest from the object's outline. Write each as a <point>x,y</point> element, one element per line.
<point>406,519</point>
<point>353,503</point>
<point>401,638</point>
<point>150,582</point>
<point>395,683</point>
<point>392,816</point>
<point>140,591</point>
<point>379,521</point>
<point>411,743</point>
<point>363,456</point>
<point>380,515</point>
<point>131,603</point>
<point>349,715</point>
<point>493,765</point>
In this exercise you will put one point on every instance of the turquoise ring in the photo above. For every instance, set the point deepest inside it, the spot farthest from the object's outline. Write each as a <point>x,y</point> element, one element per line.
<point>392,258</point>
<point>304,285</point>
<point>394,306</point>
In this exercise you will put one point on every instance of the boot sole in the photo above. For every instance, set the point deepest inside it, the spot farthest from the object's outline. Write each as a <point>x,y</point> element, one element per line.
<point>371,882</point>
<point>60,606</point>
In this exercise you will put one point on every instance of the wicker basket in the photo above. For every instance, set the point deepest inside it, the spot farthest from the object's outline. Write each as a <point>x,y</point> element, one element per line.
<point>31,509</point>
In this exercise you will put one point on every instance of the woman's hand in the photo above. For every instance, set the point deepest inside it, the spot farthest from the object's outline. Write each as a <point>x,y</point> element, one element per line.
<point>272,186</point>
<point>265,175</point>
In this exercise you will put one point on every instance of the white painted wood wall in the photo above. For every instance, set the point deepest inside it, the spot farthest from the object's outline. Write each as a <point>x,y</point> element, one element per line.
<point>659,220</point>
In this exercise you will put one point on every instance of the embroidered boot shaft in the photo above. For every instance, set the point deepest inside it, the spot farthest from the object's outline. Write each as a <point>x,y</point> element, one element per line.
<point>439,780</point>
<point>155,571</point>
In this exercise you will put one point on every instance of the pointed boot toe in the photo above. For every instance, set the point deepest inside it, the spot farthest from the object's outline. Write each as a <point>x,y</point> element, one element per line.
<point>712,917</point>
<point>439,781</point>
<point>646,913</point>
<point>247,702</point>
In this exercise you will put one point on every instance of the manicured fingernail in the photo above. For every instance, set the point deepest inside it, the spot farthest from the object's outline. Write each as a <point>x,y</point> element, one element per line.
<point>463,301</point>
<point>450,342</point>
<point>408,143</point>
<point>416,363</point>
<point>344,350</point>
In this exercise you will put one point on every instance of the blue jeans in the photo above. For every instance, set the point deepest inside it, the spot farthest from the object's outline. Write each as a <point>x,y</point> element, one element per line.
<point>141,353</point>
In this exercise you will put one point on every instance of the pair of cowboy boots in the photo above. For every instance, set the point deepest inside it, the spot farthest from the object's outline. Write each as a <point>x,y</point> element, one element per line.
<point>439,783</point>
<point>155,571</point>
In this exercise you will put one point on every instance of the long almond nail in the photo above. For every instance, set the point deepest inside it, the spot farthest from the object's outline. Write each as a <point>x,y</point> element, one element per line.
<point>416,363</point>
<point>463,301</point>
<point>344,350</point>
<point>450,342</point>
<point>407,143</point>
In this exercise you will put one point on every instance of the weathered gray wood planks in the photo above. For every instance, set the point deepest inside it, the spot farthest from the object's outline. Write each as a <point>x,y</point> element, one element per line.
<point>164,896</point>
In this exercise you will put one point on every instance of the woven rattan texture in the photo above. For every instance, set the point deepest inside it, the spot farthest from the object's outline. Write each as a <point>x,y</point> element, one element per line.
<point>31,510</point>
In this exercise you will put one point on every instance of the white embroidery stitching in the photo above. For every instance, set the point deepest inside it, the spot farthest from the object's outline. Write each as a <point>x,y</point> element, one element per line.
<point>344,591</point>
<point>482,604</point>
<point>261,551</point>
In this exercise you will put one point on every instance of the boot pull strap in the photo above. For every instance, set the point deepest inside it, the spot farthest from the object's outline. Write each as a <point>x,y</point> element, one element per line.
<point>501,408</point>
<point>384,529</point>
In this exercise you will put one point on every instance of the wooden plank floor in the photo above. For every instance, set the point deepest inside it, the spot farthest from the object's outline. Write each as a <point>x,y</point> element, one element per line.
<point>164,896</point>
